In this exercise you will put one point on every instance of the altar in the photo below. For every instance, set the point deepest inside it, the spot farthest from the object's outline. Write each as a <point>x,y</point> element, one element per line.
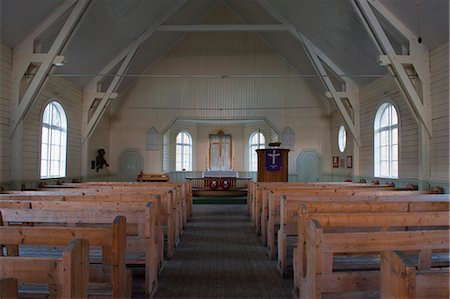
<point>220,174</point>
<point>219,179</point>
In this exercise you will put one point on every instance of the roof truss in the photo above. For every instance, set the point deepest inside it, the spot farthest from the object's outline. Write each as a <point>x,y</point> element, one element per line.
<point>24,58</point>
<point>318,58</point>
<point>417,94</point>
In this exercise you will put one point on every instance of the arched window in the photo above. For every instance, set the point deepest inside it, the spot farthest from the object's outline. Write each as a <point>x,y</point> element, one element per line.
<point>342,139</point>
<point>183,158</point>
<point>53,141</point>
<point>256,141</point>
<point>386,142</point>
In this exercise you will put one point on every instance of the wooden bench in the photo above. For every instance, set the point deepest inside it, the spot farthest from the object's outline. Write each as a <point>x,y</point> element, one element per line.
<point>271,194</point>
<point>183,190</point>
<point>259,201</point>
<point>141,248</point>
<point>67,276</point>
<point>8,288</point>
<point>323,244</point>
<point>401,278</point>
<point>170,212</point>
<point>274,202</point>
<point>289,226</point>
<point>112,240</point>
<point>329,195</point>
<point>164,221</point>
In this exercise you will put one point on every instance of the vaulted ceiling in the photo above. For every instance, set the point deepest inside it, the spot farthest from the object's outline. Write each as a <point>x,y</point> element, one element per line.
<point>110,26</point>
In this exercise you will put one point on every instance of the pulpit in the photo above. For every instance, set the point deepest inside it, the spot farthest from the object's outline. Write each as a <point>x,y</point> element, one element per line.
<point>272,165</point>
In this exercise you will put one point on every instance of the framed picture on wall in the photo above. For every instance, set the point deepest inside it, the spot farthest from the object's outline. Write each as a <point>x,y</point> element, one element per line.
<point>349,161</point>
<point>335,161</point>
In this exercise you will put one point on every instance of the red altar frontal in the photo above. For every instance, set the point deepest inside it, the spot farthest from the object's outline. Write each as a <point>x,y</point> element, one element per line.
<point>219,179</point>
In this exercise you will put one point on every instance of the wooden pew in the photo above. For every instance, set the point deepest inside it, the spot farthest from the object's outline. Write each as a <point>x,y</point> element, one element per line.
<point>8,288</point>
<point>67,277</point>
<point>289,226</point>
<point>401,278</point>
<point>259,202</point>
<point>262,206</point>
<point>112,240</point>
<point>183,190</point>
<point>171,208</point>
<point>141,243</point>
<point>322,245</point>
<point>359,194</point>
<point>164,220</point>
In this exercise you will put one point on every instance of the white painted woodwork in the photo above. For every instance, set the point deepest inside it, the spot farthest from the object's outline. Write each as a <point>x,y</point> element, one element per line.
<point>335,123</point>
<point>69,96</point>
<point>5,110</point>
<point>223,27</point>
<point>372,96</point>
<point>439,63</point>
<point>157,101</point>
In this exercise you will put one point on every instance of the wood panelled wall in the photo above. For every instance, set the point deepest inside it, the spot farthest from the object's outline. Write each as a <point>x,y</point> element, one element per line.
<point>70,97</point>
<point>439,60</point>
<point>157,101</point>
<point>336,122</point>
<point>372,96</point>
<point>384,89</point>
<point>240,134</point>
<point>5,108</point>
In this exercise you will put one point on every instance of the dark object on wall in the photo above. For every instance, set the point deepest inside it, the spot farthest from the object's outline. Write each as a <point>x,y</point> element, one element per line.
<point>100,160</point>
<point>349,161</point>
<point>335,161</point>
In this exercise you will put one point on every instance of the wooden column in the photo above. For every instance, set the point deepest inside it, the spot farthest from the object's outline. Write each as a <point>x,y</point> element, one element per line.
<point>266,175</point>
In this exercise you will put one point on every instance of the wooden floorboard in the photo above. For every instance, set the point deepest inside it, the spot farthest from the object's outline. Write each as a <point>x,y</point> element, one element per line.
<point>220,256</point>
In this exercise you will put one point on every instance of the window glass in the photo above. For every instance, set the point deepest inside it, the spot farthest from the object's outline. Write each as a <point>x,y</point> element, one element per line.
<point>256,141</point>
<point>183,155</point>
<point>386,141</point>
<point>53,141</point>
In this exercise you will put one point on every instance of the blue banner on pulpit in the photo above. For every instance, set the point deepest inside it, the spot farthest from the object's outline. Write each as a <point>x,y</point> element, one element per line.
<point>273,160</point>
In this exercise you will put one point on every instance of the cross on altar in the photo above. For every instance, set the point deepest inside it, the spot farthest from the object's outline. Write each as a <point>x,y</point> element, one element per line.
<point>274,156</point>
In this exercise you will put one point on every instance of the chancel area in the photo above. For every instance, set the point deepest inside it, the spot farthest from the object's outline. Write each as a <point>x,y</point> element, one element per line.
<point>224,149</point>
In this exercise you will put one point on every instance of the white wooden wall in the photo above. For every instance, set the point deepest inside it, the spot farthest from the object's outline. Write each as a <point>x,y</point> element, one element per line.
<point>336,123</point>
<point>70,97</point>
<point>439,61</point>
<point>5,106</point>
<point>384,89</point>
<point>200,132</point>
<point>158,101</point>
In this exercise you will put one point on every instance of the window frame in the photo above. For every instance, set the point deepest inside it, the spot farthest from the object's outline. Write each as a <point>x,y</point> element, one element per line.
<point>392,148</point>
<point>342,136</point>
<point>49,147</point>
<point>183,146</point>
<point>252,156</point>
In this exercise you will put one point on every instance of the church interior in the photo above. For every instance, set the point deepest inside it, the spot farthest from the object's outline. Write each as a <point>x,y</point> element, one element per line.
<point>224,148</point>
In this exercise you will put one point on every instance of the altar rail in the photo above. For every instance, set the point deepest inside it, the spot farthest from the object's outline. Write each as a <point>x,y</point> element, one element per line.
<point>204,183</point>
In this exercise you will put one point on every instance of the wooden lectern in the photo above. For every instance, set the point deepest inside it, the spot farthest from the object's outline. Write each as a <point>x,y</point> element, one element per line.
<point>272,165</point>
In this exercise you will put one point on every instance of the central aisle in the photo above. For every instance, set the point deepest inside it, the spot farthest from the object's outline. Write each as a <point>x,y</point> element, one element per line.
<point>220,256</point>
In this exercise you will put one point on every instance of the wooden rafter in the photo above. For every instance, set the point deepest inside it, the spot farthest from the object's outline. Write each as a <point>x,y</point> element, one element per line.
<point>317,58</point>
<point>420,106</point>
<point>25,57</point>
<point>124,59</point>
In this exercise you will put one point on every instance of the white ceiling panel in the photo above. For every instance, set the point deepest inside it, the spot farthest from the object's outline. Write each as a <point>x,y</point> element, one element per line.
<point>432,16</point>
<point>109,26</point>
<point>20,17</point>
